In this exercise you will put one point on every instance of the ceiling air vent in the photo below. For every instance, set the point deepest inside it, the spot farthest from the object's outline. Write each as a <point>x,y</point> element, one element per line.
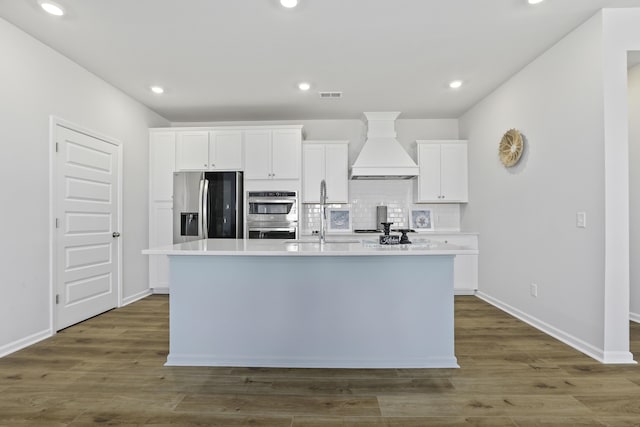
<point>331,95</point>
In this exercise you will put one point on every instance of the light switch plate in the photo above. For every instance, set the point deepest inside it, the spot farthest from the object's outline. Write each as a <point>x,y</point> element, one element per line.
<point>581,220</point>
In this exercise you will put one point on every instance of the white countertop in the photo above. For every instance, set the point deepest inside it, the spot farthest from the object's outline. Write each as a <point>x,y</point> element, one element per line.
<point>365,246</point>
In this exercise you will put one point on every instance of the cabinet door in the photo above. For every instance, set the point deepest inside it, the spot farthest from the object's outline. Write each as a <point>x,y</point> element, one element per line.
<point>429,179</point>
<point>337,172</point>
<point>257,154</point>
<point>225,150</point>
<point>453,173</point>
<point>162,160</point>
<point>285,155</point>
<point>465,267</point>
<point>192,150</point>
<point>160,234</point>
<point>312,172</point>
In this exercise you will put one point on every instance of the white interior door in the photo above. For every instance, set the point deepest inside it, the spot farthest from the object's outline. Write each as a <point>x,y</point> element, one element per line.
<point>86,209</point>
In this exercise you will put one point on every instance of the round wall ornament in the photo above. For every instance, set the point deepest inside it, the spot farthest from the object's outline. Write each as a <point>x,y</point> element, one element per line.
<point>511,148</point>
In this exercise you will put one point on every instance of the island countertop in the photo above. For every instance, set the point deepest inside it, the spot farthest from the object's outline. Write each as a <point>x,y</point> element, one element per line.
<point>307,247</point>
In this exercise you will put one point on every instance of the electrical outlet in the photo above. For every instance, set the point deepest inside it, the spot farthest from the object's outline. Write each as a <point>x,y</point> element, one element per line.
<point>533,289</point>
<point>581,220</point>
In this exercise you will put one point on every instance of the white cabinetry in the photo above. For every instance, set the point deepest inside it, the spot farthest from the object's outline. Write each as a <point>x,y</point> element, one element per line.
<point>465,267</point>
<point>209,150</point>
<point>192,150</point>
<point>272,153</point>
<point>326,160</point>
<point>162,148</point>
<point>443,172</point>
<point>225,150</point>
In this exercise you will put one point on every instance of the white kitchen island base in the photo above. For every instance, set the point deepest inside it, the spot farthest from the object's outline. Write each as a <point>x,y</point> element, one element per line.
<point>324,311</point>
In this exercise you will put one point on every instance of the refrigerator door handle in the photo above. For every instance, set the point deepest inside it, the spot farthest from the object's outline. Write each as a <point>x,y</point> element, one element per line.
<point>205,209</point>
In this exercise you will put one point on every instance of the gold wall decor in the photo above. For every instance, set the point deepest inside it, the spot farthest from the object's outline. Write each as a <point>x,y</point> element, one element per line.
<point>511,148</point>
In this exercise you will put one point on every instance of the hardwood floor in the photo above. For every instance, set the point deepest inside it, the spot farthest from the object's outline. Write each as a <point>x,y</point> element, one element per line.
<point>109,371</point>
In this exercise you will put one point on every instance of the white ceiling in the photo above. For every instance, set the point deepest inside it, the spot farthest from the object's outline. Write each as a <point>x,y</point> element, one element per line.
<point>242,59</point>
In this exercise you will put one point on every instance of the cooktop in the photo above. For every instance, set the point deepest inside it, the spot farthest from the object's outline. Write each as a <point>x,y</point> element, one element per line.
<point>393,230</point>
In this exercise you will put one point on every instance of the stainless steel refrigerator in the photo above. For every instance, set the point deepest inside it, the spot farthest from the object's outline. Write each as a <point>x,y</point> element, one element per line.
<point>207,205</point>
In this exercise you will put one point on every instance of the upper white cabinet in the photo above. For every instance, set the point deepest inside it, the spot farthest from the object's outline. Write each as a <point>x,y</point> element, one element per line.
<point>328,160</point>
<point>443,172</point>
<point>162,146</point>
<point>225,150</point>
<point>209,150</point>
<point>192,150</point>
<point>272,153</point>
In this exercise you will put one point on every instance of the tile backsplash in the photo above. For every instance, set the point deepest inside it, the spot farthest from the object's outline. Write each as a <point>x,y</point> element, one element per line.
<point>397,195</point>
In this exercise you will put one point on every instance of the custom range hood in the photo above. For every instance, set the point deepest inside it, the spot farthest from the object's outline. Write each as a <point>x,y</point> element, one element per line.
<point>382,156</point>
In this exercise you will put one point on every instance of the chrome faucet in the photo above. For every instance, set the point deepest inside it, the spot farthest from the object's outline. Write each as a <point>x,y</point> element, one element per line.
<point>323,210</point>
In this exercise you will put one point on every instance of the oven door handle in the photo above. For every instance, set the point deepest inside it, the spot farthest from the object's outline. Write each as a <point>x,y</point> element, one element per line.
<point>275,201</point>
<point>290,229</point>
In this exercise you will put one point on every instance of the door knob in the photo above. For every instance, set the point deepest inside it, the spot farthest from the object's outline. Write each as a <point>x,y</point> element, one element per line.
<point>116,234</point>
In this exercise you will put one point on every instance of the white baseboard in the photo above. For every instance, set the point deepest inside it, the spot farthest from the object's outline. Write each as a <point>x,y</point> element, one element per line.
<point>600,355</point>
<point>198,360</point>
<point>161,290</point>
<point>464,291</point>
<point>634,317</point>
<point>136,297</point>
<point>25,342</point>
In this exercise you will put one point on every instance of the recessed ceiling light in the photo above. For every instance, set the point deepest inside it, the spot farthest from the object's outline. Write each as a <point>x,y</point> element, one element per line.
<point>455,84</point>
<point>304,86</point>
<point>157,89</point>
<point>289,3</point>
<point>52,8</point>
<point>535,1</point>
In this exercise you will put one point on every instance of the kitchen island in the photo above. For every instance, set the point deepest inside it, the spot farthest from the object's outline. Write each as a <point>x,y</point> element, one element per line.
<point>269,303</point>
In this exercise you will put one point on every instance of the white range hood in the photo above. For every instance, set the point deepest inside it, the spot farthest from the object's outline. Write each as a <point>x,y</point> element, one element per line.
<point>382,156</point>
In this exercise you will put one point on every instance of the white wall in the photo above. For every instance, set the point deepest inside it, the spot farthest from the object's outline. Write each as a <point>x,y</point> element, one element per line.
<point>36,82</point>
<point>526,215</point>
<point>634,193</point>
<point>571,104</point>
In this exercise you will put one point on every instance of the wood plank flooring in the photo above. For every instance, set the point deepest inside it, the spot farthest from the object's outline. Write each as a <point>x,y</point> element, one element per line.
<point>109,371</point>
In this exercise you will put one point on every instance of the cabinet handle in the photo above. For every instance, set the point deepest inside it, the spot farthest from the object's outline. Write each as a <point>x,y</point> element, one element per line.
<point>205,165</point>
<point>213,165</point>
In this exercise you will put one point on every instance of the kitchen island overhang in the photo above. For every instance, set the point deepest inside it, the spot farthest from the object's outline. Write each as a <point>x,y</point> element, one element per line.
<point>259,303</point>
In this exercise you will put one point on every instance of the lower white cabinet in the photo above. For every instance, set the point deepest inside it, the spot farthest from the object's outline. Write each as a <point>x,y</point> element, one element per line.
<point>465,267</point>
<point>160,234</point>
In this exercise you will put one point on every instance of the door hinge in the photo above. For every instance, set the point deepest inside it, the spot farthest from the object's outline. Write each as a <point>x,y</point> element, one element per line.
<point>56,147</point>
<point>57,222</point>
<point>57,299</point>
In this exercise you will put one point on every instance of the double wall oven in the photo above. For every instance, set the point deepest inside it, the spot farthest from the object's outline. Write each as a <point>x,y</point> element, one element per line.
<point>272,214</point>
